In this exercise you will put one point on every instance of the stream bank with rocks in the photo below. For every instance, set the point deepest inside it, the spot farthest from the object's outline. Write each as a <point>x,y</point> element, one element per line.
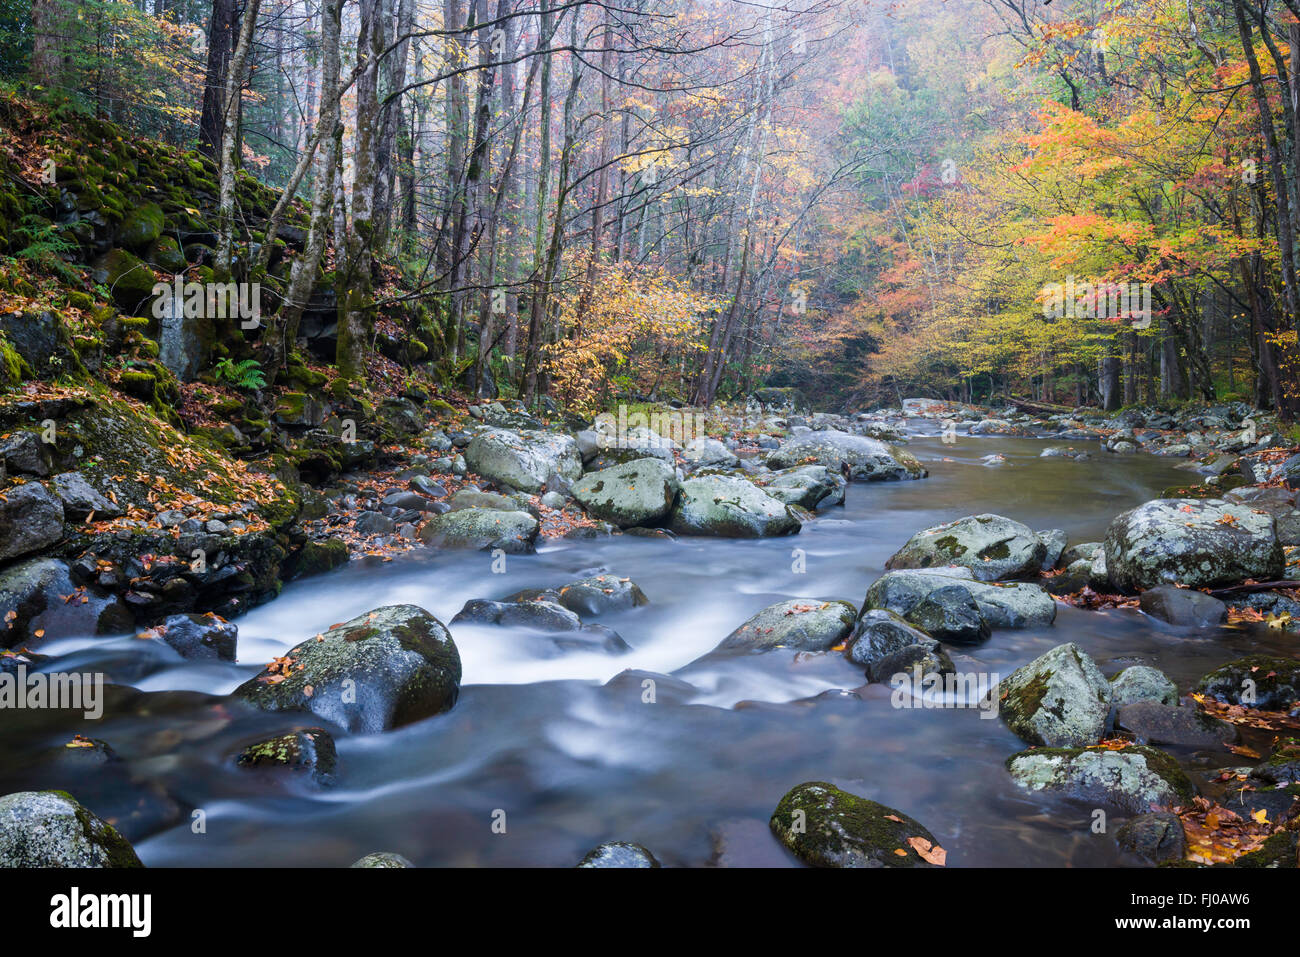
<point>496,479</point>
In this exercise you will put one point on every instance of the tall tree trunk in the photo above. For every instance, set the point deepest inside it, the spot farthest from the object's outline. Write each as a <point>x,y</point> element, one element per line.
<point>221,36</point>
<point>229,143</point>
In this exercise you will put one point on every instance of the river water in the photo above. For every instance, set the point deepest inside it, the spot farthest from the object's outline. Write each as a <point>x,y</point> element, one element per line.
<point>544,756</point>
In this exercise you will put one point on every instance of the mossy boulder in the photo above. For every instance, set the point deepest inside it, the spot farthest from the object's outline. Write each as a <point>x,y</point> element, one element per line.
<point>309,750</point>
<point>143,224</point>
<point>1060,699</point>
<point>318,557</point>
<point>51,829</point>
<point>826,827</point>
<point>730,507</point>
<point>1200,543</point>
<point>640,492</point>
<point>166,254</point>
<point>1256,681</point>
<point>381,670</point>
<point>1142,683</point>
<point>523,460</point>
<point>860,458</point>
<point>129,279</point>
<point>993,547</point>
<point>1134,779</point>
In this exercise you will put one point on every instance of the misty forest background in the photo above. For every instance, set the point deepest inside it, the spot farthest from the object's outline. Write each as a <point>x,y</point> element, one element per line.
<point>691,199</point>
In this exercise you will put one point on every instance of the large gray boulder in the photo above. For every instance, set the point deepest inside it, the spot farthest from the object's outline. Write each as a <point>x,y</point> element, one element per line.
<point>383,669</point>
<point>1142,683</point>
<point>640,492</point>
<point>1060,699</point>
<point>1183,606</point>
<point>939,601</point>
<point>34,596</point>
<point>481,528</point>
<point>1133,779</point>
<point>804,624</point>
<point>826,827</point>
<point>866,460</point>
<point>524,460</point>
<point>50,829</point>
<point>31,519</point>
<point>808,486</point>
<point>994,548</point>
<point>729,506</point>
<point>1200,543</point>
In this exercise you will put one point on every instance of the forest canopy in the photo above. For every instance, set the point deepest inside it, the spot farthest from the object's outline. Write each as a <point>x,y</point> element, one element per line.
<point>691,199</point>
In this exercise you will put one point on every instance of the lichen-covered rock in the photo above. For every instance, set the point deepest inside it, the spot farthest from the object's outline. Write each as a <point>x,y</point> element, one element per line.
<point>1154,837</point>
<point>994,548</point>
<point>729,507</point>
<point>1200,543</point>
<point>1134,779</point>
<point>826,827</point>
<point>387,668</point>
<point>523,460</point>
<point>309,750</point>
<point>481,528</point>
<point>866,460</point>
<point>1142,683</point>
<point>619,854</point>
<point>639,492</point>
<point>31,519</point>
<point>380,859</point>
<point>933,600</point>
<point>1183,606</point>
<point>1256,681</point>
<point>50,829</point>
<point>1059,699</point>
<point>808,486</point>
<point>804,624</point>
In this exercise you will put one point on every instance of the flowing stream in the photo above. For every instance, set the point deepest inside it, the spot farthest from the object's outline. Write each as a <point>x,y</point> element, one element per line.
<point>546,744</point>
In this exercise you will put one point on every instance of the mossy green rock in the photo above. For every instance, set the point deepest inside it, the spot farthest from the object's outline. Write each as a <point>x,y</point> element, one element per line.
<point>1060,699</point>
<point>993,547</point>
<point>381,670</point>
<point>1257,681</point>
<point>309,749</point>
<point>639,492</point>
<point>166,254</point>
<point>730,507</point>
<point>129,279</point>
<point>50,829</point>
<point>826,827</point>
<point>1134,779</point>
<point>142,226</point>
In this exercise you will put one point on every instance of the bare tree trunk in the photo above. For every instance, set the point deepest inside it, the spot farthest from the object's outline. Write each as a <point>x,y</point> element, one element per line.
<point>229,143</point>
